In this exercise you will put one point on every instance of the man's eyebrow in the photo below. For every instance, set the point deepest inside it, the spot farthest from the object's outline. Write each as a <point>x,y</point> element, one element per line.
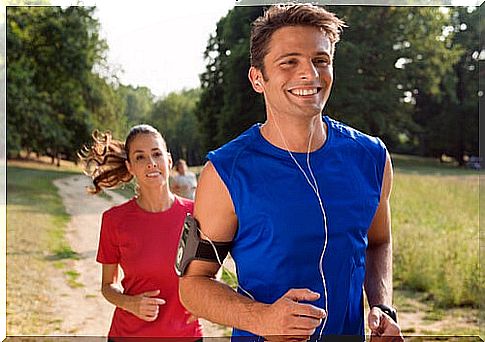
<point>324,53</point>
<point>290,54</point>
<point>296,54</point>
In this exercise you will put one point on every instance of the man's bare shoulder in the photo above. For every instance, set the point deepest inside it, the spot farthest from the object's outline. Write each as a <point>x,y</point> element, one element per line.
<point>213,206</point>
<point>210,180</point>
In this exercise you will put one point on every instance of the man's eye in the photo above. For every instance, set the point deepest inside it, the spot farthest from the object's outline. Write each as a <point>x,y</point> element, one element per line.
<point>289,62</point>
<point>322,61</point>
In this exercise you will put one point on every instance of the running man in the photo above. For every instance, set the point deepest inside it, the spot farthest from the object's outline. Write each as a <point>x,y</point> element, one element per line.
<point>303,199</point>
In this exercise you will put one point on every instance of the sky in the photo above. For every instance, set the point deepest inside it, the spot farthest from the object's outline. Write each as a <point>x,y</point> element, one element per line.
<point>159,44</point>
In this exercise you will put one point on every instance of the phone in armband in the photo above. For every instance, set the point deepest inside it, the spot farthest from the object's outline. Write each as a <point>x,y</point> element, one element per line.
<point>192,247</point>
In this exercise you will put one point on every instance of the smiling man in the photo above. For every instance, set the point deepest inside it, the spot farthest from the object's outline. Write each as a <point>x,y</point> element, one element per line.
<point>302,198</point>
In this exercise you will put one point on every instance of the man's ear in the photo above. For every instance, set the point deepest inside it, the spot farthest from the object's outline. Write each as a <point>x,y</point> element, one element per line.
<point>256,78</point>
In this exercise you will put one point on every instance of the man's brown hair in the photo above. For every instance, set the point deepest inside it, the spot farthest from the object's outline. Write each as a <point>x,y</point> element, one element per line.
<point>283,15</point>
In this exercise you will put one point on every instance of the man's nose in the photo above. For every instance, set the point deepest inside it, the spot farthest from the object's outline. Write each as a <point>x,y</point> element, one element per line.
<point>308,71</point>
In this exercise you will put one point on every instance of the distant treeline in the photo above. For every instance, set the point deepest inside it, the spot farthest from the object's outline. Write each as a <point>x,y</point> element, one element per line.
<point>407,74</point>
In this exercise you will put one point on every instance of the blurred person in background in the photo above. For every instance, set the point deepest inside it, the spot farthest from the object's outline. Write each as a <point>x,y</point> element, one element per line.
<point>184,181</point>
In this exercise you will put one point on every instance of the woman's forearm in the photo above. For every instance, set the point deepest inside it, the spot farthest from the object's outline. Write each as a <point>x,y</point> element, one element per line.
<point>115,296</point>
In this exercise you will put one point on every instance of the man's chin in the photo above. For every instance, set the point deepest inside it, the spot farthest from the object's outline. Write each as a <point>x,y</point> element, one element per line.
<point>311,111</point>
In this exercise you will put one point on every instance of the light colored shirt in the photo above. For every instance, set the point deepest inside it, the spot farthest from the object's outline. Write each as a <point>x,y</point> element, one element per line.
<point>186,184</point>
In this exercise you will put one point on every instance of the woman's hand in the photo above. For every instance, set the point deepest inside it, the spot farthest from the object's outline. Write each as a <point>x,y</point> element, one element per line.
<point>144,306</point>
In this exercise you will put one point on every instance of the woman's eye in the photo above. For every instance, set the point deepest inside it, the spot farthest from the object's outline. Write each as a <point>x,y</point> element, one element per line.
<point>139,157</point>
<point>157,154</point>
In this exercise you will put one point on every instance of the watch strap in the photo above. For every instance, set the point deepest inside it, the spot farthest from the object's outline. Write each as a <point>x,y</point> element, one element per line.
<point>391,312</point>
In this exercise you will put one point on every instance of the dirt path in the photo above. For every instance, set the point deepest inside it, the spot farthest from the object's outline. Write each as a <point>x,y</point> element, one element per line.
<point>82,307</point>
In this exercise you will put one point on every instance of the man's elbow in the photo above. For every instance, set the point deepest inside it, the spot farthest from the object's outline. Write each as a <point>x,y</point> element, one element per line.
<point>380,244</point>
<point>185,289</point>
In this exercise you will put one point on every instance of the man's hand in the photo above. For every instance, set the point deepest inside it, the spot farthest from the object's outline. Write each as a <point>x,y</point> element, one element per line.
<point>286,319</point>
<point>144,306</point>
<point>383,328</point>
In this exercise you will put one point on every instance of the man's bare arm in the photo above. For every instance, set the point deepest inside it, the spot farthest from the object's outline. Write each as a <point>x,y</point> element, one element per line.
<point>378,277</point>
<point>208,298</point>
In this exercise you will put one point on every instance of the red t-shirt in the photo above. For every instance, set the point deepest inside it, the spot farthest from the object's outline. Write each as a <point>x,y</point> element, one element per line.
<point>145,244</point>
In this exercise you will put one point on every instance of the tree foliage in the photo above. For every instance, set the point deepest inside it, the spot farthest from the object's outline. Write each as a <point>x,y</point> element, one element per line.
<point>450,121</point>
<point>386,57</point>
<point>54,99</point>
<point>174,115</point>
<point>227,103</point>
<point>138,103</point>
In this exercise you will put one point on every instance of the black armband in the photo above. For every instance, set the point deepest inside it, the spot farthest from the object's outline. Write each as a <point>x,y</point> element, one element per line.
<point>192,247</point>
<point>391,312</point>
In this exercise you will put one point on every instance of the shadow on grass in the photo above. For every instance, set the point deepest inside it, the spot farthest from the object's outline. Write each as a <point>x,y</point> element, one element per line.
<point>71,255</point>
<point>428,166</point>
<point>62,254</point>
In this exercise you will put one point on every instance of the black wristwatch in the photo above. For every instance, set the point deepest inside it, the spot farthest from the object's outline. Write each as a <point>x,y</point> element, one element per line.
<point>391,312</point>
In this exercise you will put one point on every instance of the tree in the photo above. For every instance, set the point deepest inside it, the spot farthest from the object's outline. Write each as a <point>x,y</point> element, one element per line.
<point>175,117</point>
<point>228,105</point>
<point>54,97</point>
<point>452,127</point>
<point>138,103</point>
<point>386,58</point>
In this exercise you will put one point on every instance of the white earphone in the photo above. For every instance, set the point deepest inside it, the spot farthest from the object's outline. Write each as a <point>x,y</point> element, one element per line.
<point>314,186</point>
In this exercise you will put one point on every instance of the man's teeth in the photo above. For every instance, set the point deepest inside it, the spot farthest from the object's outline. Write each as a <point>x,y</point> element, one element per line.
<point>303,92</point>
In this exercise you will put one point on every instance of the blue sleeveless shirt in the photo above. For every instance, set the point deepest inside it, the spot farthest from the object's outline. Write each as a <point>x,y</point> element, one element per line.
<point>280,232</point>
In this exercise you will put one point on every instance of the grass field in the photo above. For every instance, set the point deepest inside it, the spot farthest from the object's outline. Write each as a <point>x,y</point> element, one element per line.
<point>435,212</point>
<point>35,244</point>
<point>435,232</point>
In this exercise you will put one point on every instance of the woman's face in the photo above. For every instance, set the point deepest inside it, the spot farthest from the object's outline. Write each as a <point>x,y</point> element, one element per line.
<point>149,161</point>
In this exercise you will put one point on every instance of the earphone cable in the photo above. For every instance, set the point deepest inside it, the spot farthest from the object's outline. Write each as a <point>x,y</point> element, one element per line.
<point>315,188</point>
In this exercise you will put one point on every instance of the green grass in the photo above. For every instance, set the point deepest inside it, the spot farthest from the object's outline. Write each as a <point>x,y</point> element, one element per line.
<point>36,220</point>
<point>72,277</point>
<point>435,217</point>
<point>229,278</point>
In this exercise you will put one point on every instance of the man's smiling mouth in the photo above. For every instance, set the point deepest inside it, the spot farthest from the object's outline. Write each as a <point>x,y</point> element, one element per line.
<point>305,91</point>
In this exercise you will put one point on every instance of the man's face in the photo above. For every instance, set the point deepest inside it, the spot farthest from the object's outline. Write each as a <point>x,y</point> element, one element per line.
<point>298,72</point>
